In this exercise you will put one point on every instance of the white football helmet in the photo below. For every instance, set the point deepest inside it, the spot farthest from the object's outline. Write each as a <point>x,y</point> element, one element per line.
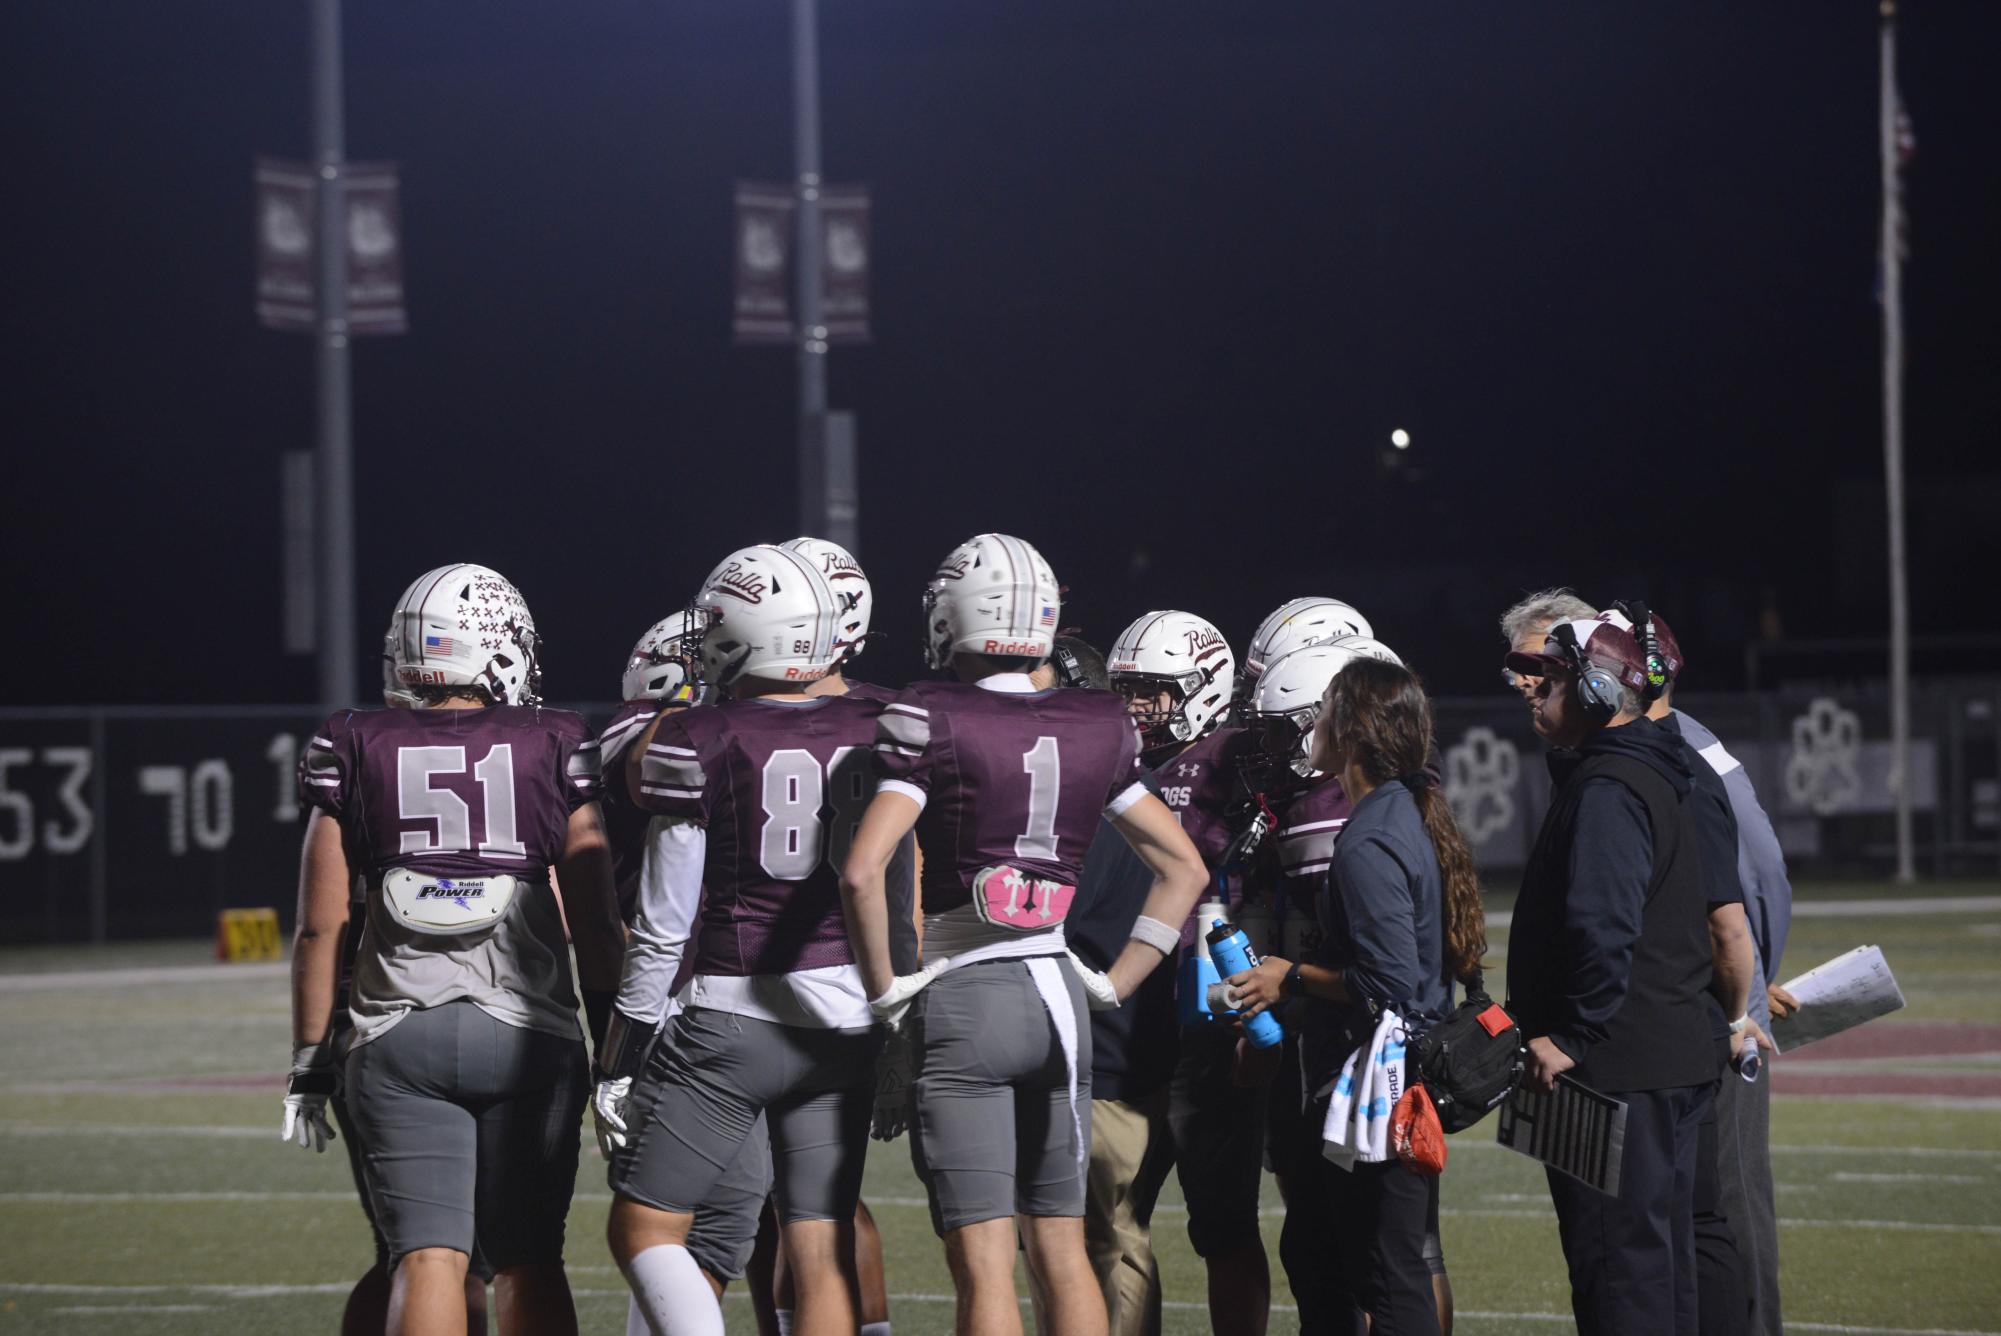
<point>664,665</point>
<point>1183,655</point>
<point>767,612</point>
<point>1300,622</point>
<point>850,585</point>
<point>1285,702</point>
<point>994,595</point>
<point>465,626</point>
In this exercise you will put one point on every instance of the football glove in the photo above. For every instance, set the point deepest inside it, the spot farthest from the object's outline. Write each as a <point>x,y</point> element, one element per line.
<point>608,1108</point>
<point>893,1094</point>
<point>894,1004</point>
<point>1098,991</point>
<point>313,1081</point>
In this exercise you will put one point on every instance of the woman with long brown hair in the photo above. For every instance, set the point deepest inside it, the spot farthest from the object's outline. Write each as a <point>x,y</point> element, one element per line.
<point>1403,922</point>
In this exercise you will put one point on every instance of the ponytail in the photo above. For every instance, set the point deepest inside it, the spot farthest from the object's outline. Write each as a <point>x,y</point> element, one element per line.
<point>1380,718</point>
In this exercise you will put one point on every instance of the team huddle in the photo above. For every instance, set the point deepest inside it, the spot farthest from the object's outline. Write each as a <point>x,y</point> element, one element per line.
<point>808,912</point>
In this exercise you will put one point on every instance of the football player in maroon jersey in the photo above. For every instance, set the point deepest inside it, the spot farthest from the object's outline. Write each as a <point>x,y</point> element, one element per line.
<point>752,799</point>
<point>465,1070</point>
<point>1005,785</point>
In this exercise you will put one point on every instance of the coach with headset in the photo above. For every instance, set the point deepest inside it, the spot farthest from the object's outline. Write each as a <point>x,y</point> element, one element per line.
<point>1609,969</point>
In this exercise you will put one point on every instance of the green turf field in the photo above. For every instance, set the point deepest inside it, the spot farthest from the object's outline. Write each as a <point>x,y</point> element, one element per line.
<point>146,1191</point>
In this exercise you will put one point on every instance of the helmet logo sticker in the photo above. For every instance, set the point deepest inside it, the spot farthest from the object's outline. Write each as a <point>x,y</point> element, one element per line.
<point>747,585</point>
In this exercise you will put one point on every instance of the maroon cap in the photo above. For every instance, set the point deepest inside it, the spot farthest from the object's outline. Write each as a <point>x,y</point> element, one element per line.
<point>1664,641</point>
<point>1602,643</point>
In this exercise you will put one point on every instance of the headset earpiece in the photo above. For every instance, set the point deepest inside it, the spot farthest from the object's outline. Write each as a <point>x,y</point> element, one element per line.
<point>1642,618</point>
<point>1597,689</point>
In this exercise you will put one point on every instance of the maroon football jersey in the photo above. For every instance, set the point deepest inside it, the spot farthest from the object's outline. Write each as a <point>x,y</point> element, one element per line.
<point>1008,778</point>
<point>452,792</point>
<point>882,695</point>
<point>780,787</point>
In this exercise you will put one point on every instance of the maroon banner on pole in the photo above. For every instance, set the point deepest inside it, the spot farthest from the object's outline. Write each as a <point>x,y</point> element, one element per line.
<point>286,286</point>
<point>374,249</point>
<point>763,263</point>
<point>844,270</point>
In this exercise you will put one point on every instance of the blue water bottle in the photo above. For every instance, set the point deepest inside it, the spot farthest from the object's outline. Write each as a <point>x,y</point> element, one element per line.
<point>1231,950</point>
<point>1198,972</point>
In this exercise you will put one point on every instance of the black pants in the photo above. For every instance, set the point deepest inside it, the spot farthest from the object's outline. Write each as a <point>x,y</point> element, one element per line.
<point>1354,1244</point>
<point>1723,1297</point>
<point>1632,1257</point>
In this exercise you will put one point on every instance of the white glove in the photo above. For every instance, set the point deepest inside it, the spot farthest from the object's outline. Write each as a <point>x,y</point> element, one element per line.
<point>1098,991</point>
<point>893,1094</point>
<point>894,1004</point>
<point>608,1108</point>
<point>306,1122</point>
<point>312,1083</point>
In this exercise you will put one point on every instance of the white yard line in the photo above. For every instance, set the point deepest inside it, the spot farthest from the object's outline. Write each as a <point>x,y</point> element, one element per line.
<point>1179,1305</point>
<point>153,974</point>
<point>1880,908</point>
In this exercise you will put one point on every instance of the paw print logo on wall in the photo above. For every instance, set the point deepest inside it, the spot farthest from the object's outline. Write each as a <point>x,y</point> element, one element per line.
<point>1481,771</point>
<point>1821,773</point>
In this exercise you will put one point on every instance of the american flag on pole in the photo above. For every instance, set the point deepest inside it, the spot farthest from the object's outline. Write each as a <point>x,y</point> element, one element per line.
<point>437,644</point>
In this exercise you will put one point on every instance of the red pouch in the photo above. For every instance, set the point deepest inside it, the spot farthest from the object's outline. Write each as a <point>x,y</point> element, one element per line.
<point>1415,1134</point>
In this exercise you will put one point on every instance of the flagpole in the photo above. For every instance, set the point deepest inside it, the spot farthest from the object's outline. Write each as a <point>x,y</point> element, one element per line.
<point>812,335</point>
<point>1893,443</point>
<point>335,515</point>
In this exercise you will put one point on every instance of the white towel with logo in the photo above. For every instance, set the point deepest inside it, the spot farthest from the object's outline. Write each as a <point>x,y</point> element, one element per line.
<point>1364,1095</point>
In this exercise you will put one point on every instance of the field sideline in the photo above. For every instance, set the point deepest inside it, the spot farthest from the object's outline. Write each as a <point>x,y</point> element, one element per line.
<point>145,1189</point>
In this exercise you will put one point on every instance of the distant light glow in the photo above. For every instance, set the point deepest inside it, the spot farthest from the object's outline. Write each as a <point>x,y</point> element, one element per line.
<point>1400,439</point>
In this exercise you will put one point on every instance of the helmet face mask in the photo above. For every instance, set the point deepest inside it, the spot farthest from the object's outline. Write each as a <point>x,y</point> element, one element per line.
<point>1285,704</point>
<point>666,664</point>
<point>1176,673</point>
<point>462,626</point>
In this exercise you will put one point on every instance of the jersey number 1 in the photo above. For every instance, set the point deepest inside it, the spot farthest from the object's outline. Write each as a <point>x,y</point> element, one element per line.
<point>1044,764</point>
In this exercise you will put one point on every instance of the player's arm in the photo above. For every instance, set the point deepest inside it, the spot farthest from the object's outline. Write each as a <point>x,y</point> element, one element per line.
<point>590,903</point>
<point>864,901</point>
<point>1736,964</point>
<point>316,942</point>
<point>1179,875</point>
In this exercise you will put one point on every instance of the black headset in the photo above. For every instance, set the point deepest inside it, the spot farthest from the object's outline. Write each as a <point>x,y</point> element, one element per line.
<point>1597,689</point>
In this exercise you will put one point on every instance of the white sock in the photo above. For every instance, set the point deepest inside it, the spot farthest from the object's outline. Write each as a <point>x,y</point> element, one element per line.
<point>635,1319</point>
<point>875,1329</point>
<point>673,1293</point>
<point>784,1319</point>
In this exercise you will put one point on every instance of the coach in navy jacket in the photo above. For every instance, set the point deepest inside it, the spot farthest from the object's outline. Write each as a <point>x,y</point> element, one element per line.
<point>1609,968</point>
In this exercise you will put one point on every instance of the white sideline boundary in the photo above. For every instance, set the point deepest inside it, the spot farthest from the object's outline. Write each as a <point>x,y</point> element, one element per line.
<point>919,1204</point>
<point>1181,1305</point>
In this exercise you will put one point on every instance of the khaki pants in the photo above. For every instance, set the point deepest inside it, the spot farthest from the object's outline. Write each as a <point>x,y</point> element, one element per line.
<point>1131,1152</point>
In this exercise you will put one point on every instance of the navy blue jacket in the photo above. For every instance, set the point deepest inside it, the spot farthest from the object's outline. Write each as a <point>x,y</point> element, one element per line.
<point>1609,953</point>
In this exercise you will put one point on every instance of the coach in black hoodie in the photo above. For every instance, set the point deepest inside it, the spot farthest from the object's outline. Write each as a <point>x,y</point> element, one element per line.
<point>1609,970</point>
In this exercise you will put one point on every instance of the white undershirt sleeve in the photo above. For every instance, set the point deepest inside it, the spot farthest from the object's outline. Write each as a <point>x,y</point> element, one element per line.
<point>670,893</point>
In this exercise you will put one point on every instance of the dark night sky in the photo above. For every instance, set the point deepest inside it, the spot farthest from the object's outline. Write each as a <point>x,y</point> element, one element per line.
<point>1153,285</point>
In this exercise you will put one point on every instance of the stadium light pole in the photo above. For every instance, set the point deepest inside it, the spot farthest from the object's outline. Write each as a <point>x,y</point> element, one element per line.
<point>813,510</point>
<point>335,526</point>
<point>1893,441</point>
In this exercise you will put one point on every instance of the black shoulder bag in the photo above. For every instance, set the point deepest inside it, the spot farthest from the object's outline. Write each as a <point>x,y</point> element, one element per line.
<point>1472,1060</point>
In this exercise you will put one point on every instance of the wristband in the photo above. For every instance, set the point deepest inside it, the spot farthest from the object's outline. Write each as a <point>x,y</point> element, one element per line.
<point>312,1058</point>
<point>1294,985</point>
<point>1156,934</point>
<point>1741,1024</point>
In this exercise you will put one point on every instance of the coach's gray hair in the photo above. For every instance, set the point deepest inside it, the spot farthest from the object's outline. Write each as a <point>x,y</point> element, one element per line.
<point>1542,608</point>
